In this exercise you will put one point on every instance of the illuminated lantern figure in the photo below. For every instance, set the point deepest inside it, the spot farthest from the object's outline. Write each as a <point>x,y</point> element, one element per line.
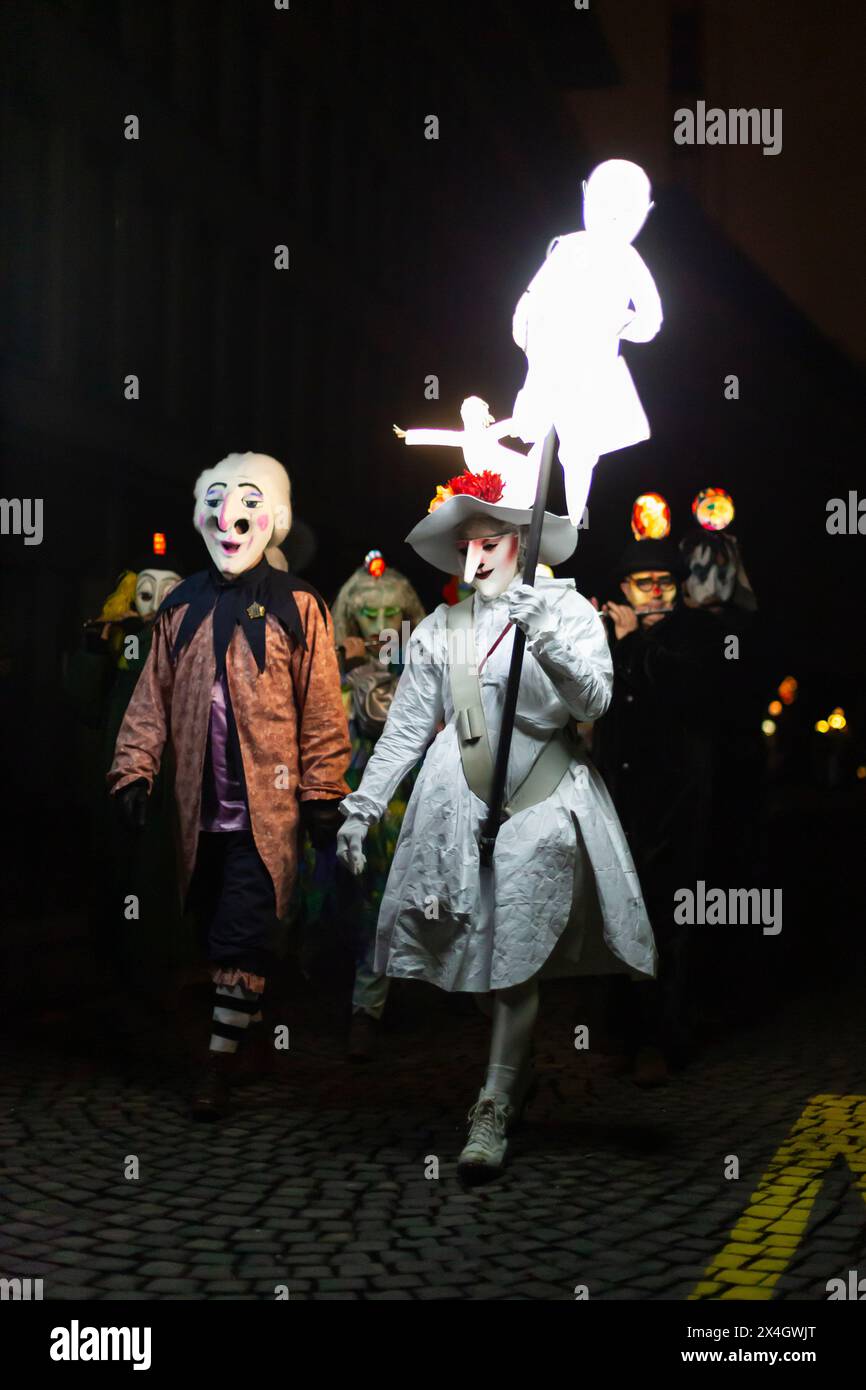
<point>482,450</point>
<point>592,291</point>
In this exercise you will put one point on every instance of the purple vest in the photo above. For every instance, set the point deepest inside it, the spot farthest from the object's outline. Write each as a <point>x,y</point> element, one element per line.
<point>223,802</point>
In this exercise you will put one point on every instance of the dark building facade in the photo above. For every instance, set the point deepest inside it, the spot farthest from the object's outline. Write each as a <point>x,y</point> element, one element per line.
<point>307,128</point>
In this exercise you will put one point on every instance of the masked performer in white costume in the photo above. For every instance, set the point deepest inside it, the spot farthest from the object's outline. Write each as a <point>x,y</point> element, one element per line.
<point>563,896</point>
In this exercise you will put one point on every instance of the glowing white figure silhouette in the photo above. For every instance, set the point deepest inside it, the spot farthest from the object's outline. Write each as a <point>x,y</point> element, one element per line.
<point>479,440</point>
<point>592,290</point>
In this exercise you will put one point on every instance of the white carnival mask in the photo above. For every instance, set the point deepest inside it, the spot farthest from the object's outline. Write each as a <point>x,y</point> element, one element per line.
<point>242,506</point>
<point>712,578</point>
<point>491,562</point>
<point>151,587</point>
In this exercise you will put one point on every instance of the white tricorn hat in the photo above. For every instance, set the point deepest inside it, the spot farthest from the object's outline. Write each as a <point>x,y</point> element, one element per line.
<point>435,538</point>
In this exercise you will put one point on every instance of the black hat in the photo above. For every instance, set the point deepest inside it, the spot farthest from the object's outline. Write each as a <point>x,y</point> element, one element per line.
<point>650,555</point>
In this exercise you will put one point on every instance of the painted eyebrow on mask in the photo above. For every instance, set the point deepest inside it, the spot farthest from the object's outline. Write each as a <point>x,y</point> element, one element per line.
<point>485,540</point>
<point>220,483</point>
<point>214,486</point>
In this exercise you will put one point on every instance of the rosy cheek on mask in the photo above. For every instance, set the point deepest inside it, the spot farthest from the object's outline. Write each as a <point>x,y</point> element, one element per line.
<point>502,562</point>
<point>201,521</point>
<point>263,523</point>
<point>503,557</point>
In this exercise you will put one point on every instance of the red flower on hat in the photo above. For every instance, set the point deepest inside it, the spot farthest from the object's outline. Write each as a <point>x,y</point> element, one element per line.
<point>486,486</point>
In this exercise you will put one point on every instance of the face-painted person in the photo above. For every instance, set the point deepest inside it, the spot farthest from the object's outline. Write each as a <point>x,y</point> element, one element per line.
<point>542,910</point>
<point>242,679</point>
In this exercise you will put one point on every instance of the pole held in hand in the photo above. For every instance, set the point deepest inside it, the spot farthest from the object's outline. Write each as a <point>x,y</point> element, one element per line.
<point>490,829</point>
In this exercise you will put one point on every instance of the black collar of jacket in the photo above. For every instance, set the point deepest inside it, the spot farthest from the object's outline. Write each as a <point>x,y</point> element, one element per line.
<point>245,600</point>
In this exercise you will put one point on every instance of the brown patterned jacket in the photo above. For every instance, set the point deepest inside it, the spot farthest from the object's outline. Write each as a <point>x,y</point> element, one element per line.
<point>291,725</point>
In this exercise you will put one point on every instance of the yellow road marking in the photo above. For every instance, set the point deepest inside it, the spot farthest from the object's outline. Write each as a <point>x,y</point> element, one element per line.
<point>765,1239</point>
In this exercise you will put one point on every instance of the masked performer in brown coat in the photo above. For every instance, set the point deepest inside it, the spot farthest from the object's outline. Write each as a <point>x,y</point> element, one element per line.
<point>242,679</point>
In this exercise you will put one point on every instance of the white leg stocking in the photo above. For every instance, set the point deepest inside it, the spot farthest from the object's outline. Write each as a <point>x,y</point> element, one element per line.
<point>514,1014</point>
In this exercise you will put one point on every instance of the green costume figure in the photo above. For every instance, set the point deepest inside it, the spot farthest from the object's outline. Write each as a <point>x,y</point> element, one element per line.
<point>133,905</point>
<point>374,614</point>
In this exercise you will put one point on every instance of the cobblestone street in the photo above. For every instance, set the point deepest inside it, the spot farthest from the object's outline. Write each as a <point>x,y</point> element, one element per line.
<point>317,1181</point>
<point>432,539</point>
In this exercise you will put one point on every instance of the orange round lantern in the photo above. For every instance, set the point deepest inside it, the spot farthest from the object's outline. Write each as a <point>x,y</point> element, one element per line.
<point>713,508</point>
<point>650,517</point>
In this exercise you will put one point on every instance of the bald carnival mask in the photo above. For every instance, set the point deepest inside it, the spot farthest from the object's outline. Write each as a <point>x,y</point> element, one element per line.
<point>242,506</point>
<point>151,587</point>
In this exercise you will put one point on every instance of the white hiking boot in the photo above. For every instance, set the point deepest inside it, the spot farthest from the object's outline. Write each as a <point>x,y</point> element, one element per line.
<point>484,1154</point>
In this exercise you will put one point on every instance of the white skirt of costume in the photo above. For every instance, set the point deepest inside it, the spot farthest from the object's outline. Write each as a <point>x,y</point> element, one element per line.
<point>563,895</point>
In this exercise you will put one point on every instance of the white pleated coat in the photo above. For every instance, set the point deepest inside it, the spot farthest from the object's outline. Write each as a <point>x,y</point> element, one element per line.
<point>558,865</point>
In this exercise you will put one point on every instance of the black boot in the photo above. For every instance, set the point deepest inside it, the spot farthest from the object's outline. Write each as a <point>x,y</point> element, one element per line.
<point>210,1095</point>
<point>364,1034</point>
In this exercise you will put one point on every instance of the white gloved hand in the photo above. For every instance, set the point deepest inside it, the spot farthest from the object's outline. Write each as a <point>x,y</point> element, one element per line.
<point>530,610</point>
<point>350,845</point>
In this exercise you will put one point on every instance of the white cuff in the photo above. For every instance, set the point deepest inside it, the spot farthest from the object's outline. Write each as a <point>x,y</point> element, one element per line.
<point>356,806</point>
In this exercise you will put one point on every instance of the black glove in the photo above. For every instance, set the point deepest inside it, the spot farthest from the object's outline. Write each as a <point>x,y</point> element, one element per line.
<point>321,820</point>
<point>94,642</point>
<point>131,802</point>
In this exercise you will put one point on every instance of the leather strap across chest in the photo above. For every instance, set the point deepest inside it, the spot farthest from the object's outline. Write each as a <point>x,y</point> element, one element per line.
<point>473,738</point>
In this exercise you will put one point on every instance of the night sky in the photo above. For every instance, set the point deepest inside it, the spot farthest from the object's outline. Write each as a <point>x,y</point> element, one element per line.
<point>305,128</point>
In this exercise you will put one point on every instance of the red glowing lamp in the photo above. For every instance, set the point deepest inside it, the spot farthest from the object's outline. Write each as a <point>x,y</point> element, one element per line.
<point>374,563</point>
<point>788,690</point>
